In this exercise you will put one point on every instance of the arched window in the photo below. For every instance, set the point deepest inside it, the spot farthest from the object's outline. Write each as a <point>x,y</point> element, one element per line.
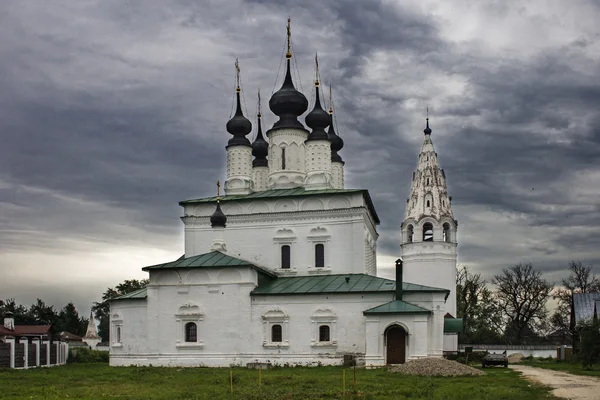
<point>428,232</point>
<point>446,232</point>
<point>118,334</point>
<point>324,333</point>
<point>283,158</point>
<point>276,334</point>
<point>319,255</point>
<point>428,203</point>
<point>191,332</point>
<point>428,181</point>
<point>410,231</point>
<point>285,256</point>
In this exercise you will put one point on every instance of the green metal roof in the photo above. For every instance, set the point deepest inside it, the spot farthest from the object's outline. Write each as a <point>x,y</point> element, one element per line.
<point>397,307</point>
<point>214,259</point>
<point>136,295</point>
<point>344,283</point>
<point>453,325</point>
<point>281,193</point>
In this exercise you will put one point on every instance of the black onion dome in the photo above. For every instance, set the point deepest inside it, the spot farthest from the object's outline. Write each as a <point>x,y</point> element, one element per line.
<point>260,148</point>
<point>337,143</point>
<point>288,103</point>
<point>427,130</point>
<point>318,119</point>
<point>218,219</point>
<point>239,126</point>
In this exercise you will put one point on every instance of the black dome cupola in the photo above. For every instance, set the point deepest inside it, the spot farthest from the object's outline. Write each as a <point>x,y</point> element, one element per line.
<point>318,119</point>
<point>427,130</point>
<point>336,141</point>
<point>260,147</point>
<point>288,103</point>
<point>239,126</point>
<point>218,219</point>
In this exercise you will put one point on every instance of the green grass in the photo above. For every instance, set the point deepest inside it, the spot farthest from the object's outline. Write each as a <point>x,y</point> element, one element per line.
<point>563,366</point>
<point>99,381</point>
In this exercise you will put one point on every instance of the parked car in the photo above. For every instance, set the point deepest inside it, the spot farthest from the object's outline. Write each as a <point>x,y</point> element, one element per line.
<point>491,359</point>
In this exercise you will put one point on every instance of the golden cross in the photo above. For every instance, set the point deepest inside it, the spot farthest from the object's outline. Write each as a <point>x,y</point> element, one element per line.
<point>237,74</point>
<point>289,37</point>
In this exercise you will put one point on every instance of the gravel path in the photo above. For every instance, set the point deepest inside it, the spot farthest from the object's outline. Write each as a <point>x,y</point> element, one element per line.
<point>575,387</point>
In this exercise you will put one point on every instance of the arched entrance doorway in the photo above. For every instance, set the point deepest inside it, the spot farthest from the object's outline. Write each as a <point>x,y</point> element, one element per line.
<point>395,345</point>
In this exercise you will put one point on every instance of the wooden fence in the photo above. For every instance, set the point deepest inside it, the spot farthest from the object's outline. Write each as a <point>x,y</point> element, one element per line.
<point>22,353</point>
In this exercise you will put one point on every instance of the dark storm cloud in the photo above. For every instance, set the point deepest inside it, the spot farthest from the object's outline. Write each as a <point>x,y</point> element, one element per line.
<point>112,112</point>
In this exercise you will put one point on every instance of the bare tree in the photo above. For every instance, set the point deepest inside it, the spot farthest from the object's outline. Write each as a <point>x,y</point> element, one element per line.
<point>580,280</point>
<point>477,307</point>
<point>522,295</point>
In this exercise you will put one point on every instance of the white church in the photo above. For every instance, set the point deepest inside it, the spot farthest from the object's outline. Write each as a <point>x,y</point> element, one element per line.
<point>282,269</point>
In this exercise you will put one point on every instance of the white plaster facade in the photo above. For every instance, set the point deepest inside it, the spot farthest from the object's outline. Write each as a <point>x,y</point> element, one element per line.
<point>298,282</point>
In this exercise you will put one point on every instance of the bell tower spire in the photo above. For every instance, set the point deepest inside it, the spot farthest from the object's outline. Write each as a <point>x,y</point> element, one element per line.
<point>429,228</point>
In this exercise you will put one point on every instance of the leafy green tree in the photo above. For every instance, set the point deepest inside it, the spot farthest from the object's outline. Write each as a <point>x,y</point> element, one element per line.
<point>476,305</point>
<point>522,294</point>
<point>20,313</point>
<point>42,314</point>
<point>102,310</point>
<point>70,321</point>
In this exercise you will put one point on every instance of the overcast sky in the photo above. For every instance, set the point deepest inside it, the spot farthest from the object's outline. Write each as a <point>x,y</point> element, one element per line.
<point>112,112</point>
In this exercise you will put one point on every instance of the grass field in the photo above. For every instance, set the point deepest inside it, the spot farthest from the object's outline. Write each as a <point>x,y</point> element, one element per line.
<point>571,368</point>
<point>99,381</point>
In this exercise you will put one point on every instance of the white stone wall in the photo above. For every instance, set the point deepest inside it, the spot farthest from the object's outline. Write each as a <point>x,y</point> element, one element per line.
<point>337,175</point>
<point>260,176</point>
<point>257,229</point>
<point>292,140</point>
<point>432,264</point>
<point>239,170</point>
<point>318,165</point>
<point>234,327</point>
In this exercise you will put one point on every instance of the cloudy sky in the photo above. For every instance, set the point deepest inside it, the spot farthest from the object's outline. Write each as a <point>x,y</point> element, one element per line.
<point>111,112</point>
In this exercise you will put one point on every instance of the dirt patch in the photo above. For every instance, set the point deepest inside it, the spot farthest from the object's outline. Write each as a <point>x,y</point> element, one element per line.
<point>564,385</point>
<point>435,367</point>
<point>515,358</point>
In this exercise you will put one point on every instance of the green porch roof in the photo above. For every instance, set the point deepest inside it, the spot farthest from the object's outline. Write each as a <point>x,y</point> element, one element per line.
<point>214,259</point>
<point>397,307</point>
<point>453,325</point>
<point>330,284</point>
<point>283,193</point>
<point>136,295</point>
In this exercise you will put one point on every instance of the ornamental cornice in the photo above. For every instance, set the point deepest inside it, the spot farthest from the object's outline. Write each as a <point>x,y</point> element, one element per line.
<point>354,212</point>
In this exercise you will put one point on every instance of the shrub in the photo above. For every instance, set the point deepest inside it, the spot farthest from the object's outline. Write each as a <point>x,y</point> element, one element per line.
<point>589,345</point>
<point>85,355</point>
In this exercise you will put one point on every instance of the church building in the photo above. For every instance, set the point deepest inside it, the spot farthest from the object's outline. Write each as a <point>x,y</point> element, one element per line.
<point>282,268</point>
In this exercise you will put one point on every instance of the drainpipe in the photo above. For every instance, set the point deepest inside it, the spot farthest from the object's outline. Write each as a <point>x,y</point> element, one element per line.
<point>399,281</point>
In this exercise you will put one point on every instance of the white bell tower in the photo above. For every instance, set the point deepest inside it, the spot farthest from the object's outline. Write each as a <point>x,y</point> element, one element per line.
<point>429,229</point>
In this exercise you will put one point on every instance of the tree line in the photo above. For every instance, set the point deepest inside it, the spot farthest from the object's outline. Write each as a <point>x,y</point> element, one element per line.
<point>66,318</point>
<point>513,309</point>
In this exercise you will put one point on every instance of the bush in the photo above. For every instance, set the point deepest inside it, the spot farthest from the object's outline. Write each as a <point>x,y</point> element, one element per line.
<point>589,351</point>
<point>85,355</point>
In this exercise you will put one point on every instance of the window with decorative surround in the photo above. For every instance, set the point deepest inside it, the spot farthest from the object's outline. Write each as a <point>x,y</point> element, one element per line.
<point>116,330</point>
<point>323,323</point>
<point>275,329</point>
<point>188,320</point>
<point>284,241</point>
<point>319,238</point>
